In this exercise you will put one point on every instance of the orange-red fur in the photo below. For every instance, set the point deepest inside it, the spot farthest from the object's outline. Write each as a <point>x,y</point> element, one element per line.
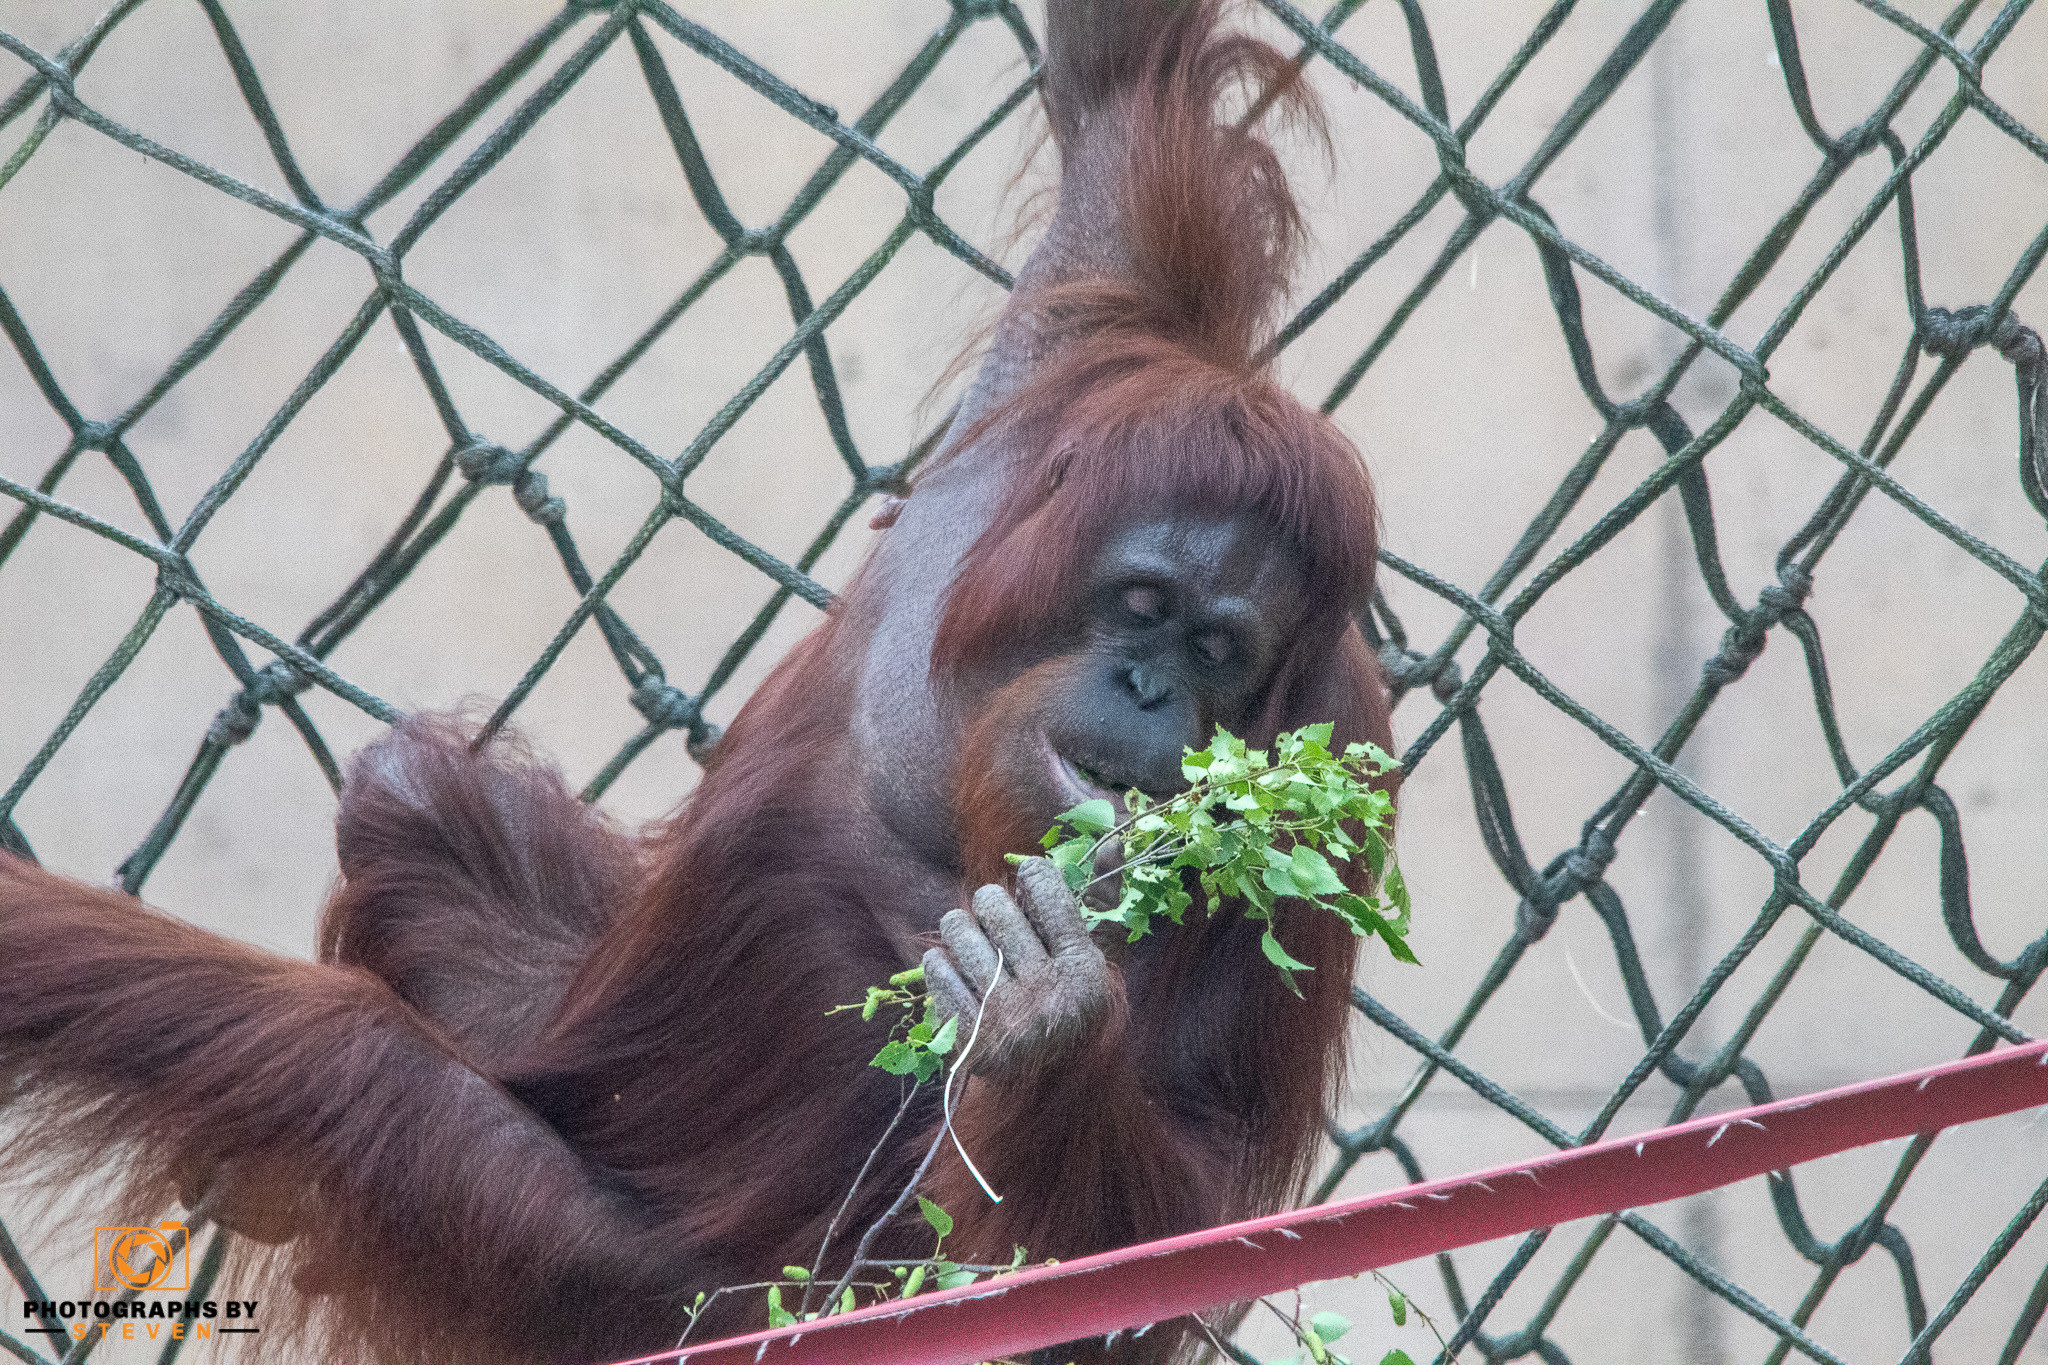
<point>549,1082</point>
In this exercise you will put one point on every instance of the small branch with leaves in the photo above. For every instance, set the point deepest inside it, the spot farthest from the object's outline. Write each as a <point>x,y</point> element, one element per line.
<point>1317,1335</point>
<point>920,1053</point>
<point>1255,828</point>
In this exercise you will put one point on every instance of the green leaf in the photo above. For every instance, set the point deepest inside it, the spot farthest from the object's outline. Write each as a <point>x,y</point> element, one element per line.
<point>1279,873</point>
<point>1313,873</point>
<point>1071,858</point>
<point>914,1283</point>
<point>1361,914</point>
<point>954,1279</point>
<point>941,1221</point>
<point>942,1041</point>
<point>898,1058</point>
<point>795,1272</point>
<point>1278,956</point>
<point>1397,1356</point>
<point>847,1302</point>
<point>1329,1326</point>
<point>1096,816</point>
<point>778,1316</point>
<point>1396,889</point>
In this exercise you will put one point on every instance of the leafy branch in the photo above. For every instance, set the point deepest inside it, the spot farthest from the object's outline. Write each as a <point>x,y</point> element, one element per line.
<point>1256,828</point>
<point>921,1052</point>
<point>1317,1336</point>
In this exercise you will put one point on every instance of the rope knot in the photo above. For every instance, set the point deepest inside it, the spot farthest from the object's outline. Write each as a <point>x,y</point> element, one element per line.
<point>530,491</point>
<point>1567,875</point>
<point>1402,666</point>
<point>704,737</point>
<point>1858,140</point>
<point>1953,335</point>
<point>2023,346</point>
<point>664,704</point>
<point>1776,601</point>
<point>484,461</point>
<point>236,721</point>
<point>1780,599</point>
<point>275,681</point>
<point>1536,913</point>
<point>1589,862</point>
<point>176,577</point>
<point>671,708</point>
<point>1406,668</point>
<point>1739,649</point>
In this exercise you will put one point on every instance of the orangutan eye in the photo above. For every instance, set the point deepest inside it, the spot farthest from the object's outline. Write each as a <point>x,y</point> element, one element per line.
<point>1216,647</point>
<point>1145,603</point>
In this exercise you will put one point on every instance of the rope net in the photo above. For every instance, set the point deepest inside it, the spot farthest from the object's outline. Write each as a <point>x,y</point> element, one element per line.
<point>1518,1306</point>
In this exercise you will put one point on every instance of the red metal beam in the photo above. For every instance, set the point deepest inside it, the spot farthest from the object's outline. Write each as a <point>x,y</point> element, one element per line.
<point>1166,1279</point>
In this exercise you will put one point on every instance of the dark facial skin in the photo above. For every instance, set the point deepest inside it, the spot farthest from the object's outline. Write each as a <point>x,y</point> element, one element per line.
<point>1184,620</point>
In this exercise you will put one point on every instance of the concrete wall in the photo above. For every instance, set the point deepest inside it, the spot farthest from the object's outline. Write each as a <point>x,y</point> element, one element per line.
<point>1471,418</point>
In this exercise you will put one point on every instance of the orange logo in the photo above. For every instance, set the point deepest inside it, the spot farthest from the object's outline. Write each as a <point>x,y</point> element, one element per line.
<point>140,1258</point>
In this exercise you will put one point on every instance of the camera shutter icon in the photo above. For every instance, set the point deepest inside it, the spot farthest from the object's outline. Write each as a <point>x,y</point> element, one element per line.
<point>141,1258</point>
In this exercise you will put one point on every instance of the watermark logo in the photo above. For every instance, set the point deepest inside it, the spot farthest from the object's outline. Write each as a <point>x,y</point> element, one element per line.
<point>129,1262</point>
<point>141,1258</point>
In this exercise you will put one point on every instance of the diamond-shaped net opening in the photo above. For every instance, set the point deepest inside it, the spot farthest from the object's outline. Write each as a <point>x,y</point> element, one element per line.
<point>1497,654</point>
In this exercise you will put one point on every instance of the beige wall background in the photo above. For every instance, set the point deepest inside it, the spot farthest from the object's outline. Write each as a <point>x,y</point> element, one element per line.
<point>586,231</point>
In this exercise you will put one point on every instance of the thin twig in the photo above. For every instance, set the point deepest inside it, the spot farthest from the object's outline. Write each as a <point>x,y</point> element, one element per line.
<point>1221,1347</point>
<point>697,1311</point>
<point>1443,1347</point>
<point>1191,798</point>
<point>860,1253</point>
<point>832,1228</point>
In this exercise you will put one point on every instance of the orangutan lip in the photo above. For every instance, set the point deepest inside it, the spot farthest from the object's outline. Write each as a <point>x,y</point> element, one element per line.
<point>1077,784</point>
<point>1076,781</point>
